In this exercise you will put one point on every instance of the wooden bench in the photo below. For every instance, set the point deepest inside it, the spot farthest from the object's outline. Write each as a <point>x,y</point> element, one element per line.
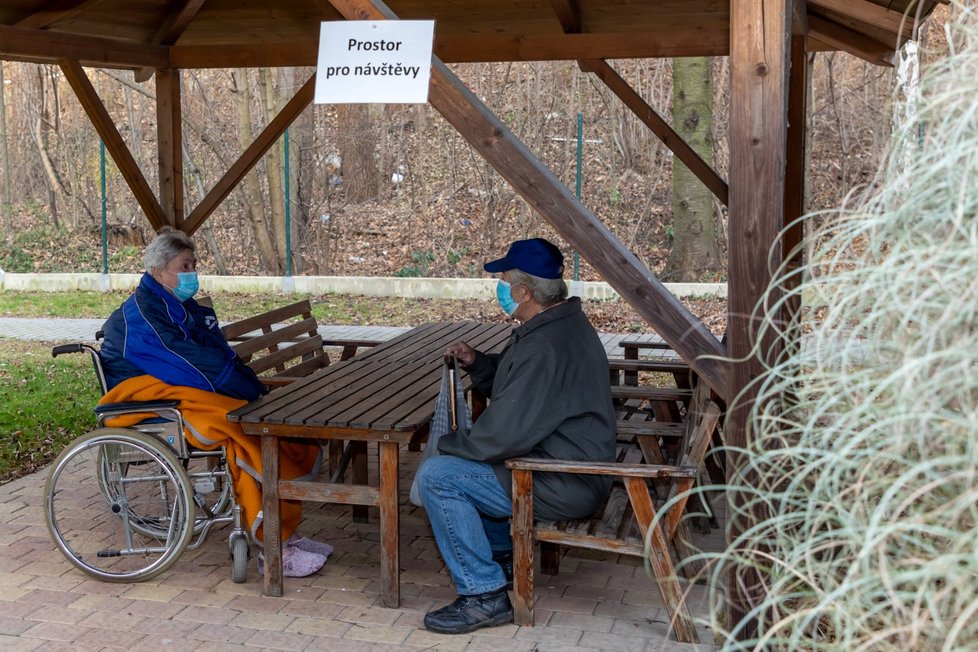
<point>625,372</point>
<point>280,345</point>
<point>350,345</point>
<point>653,418</point>
<point>632,349</point>
<point>624,523</point>
<point>283,345</point>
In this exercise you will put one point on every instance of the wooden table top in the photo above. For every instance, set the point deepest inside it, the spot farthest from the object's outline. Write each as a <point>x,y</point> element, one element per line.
<point>390,388</point>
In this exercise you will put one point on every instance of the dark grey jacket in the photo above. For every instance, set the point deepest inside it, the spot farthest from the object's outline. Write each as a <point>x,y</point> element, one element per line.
<point>550,397</point>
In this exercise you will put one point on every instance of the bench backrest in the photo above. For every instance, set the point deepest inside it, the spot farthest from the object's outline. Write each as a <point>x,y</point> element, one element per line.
<point>284,341</point>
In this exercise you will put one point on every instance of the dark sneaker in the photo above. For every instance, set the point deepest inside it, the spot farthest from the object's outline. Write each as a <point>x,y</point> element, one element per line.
<point>506,563</point>
<point>471,612</point>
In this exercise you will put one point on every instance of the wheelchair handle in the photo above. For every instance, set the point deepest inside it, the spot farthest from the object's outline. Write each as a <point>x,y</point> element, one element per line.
<point>66,348</point>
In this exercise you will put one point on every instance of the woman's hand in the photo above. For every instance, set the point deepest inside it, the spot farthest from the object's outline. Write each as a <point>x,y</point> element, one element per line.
<point>462,352</point>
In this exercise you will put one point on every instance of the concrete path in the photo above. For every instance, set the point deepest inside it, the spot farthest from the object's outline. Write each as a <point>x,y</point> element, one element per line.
<point>30,328</point>
<point>83,330</point>
<point>40,328</point>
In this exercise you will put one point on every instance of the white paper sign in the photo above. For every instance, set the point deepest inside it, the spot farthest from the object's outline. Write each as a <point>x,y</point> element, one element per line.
<point>384,61</point>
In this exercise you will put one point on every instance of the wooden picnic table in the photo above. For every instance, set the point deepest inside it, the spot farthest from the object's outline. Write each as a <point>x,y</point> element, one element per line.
<point>384,395</point>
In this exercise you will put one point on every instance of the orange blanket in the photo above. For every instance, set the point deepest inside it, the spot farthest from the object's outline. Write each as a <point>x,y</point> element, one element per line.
<point>207,428</point>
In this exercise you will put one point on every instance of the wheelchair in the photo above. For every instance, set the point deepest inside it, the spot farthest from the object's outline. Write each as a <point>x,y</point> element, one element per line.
<point>122,504</point>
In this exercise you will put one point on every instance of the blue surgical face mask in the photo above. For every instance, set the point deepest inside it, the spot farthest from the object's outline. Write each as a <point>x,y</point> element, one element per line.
<point>504,296</point>
<point>187,285</point>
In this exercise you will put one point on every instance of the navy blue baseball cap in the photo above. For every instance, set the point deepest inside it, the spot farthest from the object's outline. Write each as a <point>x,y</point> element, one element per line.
<point>536,256</point>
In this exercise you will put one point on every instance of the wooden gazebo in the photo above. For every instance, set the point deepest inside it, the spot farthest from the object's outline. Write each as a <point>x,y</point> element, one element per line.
<point>766,40</point>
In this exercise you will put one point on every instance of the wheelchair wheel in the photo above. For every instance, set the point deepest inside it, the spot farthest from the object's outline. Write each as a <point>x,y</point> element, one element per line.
<point>215,497</point>
<point>118,505</point>
<point>239,559</point>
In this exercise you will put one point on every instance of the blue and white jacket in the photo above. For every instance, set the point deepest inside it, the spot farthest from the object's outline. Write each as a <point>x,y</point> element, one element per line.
<point>154,334</point>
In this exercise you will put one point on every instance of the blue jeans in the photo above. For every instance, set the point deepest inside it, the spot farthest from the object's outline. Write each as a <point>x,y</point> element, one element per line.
<point>469,513</point>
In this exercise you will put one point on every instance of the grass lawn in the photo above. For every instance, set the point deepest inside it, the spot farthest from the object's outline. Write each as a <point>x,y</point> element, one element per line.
<point>45,402</point>
<point>328,308</point>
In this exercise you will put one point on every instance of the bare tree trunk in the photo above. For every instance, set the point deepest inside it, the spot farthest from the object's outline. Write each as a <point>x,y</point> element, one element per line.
<point>250,184</point>
<point>39,133</point>
<point>695,250</point>
<point>357,145</point>
<point>274,166</point>
<point>3,135</point>
<point>212,243</point>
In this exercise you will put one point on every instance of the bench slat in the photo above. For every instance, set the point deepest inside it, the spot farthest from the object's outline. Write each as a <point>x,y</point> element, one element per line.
<point>601,468</point>
<point>287,343</point>
<point>650,393</point>
<point>235,330</point>
<point>662,366</point>
<point>312,346</point>
<point>654,428</point>
<point>289,333</point>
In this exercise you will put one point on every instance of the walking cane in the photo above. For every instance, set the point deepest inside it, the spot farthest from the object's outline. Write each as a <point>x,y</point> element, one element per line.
<point>450,363</point>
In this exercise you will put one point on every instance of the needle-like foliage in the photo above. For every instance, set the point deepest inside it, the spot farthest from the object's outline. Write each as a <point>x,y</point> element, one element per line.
<point>864,452</point>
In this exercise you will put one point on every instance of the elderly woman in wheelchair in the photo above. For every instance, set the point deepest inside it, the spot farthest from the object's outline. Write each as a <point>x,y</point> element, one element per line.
<point>169,379</point>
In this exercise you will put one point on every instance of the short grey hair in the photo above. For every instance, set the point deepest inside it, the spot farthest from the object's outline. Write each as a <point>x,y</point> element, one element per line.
<point>545,291</point>
<point>167,245</point>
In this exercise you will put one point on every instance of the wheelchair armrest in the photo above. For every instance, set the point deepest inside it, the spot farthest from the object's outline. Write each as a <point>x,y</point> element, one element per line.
<point>135,406</point>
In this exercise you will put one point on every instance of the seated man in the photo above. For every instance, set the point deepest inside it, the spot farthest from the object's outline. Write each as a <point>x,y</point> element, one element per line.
<point>162,344</point>
<point>550,398</point>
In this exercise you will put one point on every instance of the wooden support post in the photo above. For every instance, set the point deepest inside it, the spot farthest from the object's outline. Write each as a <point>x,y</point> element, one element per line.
<point>169,131</point>
<point>759,36</point>
<point>390,584</point>
<point>360,513</point>
<point>795,192</point>
<point>271,521</point>
<point>522,554</point>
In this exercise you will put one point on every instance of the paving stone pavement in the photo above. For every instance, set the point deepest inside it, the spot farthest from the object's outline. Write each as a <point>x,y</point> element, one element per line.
<point>597,602</point>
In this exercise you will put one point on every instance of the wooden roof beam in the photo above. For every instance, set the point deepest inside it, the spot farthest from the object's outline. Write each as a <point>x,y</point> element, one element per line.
<point>177,22</point>
<point>43,46</point>
<point>658,125</point>
<point>97,113</point>
<point>473,48</point>
<point>170,31</point>
<point>872,14</point>
<point>550,197</point>
<point>569,15</point>
<point>54,12</point>
<point>856,44</point>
